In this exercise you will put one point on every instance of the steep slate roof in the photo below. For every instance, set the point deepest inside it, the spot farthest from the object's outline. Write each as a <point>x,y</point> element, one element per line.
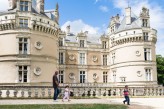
<point>135,23</point>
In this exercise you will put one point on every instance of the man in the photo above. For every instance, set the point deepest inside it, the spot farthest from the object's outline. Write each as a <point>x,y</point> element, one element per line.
<point>55,85</point>
<point>126,95</point>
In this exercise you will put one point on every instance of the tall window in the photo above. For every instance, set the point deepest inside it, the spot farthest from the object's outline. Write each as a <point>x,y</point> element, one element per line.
<point>113,58</point>
<point>23,45</point>
<point>22,70</point>
<point>114,76</point>
<point>104,44</point>
<point>81,43</point>
<point>61,76</point>
<point>82,77</point>
<point>148,74</point>
<point>23,23</point>
<point>60,41</point>
<point>145,35</point>
<point>105,77</point>
<point>144,22</point>
<point>104,59</point>
<point>23,5</point>
<point>61,58</point>
<point>82,58</point>
<point>147,54</point>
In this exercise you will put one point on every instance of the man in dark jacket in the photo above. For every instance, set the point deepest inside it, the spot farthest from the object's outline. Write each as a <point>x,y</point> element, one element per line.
<point>55,85</point>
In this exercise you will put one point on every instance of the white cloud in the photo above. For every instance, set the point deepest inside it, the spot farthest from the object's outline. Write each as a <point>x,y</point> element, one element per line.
<point>3,5</point>
<point>104,8</point>
<point>156,17</point>
<point>96,1</point>
<point>78,26</point>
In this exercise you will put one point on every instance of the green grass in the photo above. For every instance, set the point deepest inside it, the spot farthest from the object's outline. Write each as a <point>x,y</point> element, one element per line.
<point>65,106</point>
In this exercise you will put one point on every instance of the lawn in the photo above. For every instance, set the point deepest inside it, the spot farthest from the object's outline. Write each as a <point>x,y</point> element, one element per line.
<point>65,106</point>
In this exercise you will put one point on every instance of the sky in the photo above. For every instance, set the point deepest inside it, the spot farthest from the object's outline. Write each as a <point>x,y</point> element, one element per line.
<point>94,15</point>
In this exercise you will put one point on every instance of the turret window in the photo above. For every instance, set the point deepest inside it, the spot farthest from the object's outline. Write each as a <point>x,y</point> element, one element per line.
<point>23,5</point>
<point>147,54</point>
<point>22,73</point>
<point>145,35</point>
<point>105,77</point>
<point>144,22</point>
<point>23,45</point>
<point>105,60</point>
<point>148,74</point>
<point>23,23</point>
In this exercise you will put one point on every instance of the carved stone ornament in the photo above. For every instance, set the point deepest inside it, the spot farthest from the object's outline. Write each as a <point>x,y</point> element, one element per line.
<point>138,53</point>
<point>95,76</point>
<point>72,76</point>
<point>139,74</point>
<point>37,71</point>
<point>38,45</point>
<point>94,58</point>
<point>71,57</point>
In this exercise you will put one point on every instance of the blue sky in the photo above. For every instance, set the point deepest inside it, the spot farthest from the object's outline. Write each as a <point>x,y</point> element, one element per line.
<point>94,15</point>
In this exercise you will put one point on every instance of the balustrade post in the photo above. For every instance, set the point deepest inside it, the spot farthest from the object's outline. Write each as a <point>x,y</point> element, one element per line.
<point>15,93</point>
<point>49,92</point>
<point>22,93</point>
<point>29,92</point>
<point>7,93</point>
<point>36,92</point>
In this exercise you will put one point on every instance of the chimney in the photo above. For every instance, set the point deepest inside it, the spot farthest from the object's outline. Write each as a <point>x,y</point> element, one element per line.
<point>40,6</point>
<point>68,29</point>
<point>128,15</point>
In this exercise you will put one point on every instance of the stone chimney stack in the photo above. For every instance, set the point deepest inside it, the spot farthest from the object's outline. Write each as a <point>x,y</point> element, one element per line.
<point>40,6</point>
<point>68,29</point>
<point>128,15</point>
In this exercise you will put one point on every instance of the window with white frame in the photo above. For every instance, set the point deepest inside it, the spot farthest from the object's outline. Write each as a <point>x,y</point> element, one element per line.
<point>113,58</point>
<point>61,58</point>
<point>61,76</point>
<point>23,23</point>
<point>81,43</point>
<point>145,22</point>
<point>147,54</point>
<point>22,73</point>
<point>145,35</point>
<point>104,44</point>
<point>114,76</point>
<point>105,77</point>
<point>23,45</point>
<point>82,77</point>
<point>60,41</point>
<point>23,5</point>
<point>82,58</point>
<point>123,79</point>
<point>104,59</point>
<point>148,74</point>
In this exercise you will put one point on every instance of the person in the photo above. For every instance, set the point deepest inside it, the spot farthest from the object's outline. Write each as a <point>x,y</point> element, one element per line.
<point>66,93</point>
<point>126,95</point>
<point>55,85</point>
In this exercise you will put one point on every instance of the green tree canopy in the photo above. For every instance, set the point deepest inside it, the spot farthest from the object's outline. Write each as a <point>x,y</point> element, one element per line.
<point>160,69</point>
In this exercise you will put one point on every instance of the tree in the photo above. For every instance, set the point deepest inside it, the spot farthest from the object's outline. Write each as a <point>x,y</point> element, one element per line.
<point>160,69</point>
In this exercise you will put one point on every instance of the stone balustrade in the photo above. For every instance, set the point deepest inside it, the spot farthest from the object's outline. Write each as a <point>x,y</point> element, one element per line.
<point>77,90</point>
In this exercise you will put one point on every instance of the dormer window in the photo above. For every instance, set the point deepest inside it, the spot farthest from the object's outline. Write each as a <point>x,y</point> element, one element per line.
<point>104,44</point>
<point>81,43</point>
<point>144,22</point>
<point>23,5</point>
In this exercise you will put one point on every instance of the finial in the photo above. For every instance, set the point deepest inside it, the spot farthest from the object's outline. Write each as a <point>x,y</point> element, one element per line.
<point>128,3</point>
<point>57,6</point>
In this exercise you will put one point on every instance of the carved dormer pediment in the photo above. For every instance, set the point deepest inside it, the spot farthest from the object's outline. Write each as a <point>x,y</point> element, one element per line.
<point>145,12</point>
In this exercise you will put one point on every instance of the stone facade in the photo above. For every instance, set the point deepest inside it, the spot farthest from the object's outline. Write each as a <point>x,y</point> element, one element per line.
<point>28,43</point>
<point>125,56</point>
<point>32,47</point>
